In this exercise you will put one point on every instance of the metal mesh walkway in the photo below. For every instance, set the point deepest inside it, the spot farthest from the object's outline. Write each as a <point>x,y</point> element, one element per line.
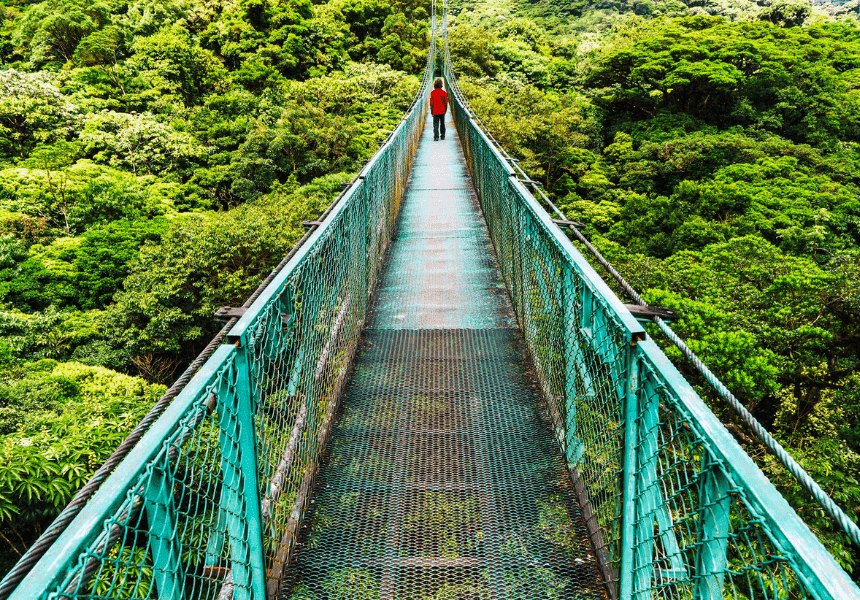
<point>442,479</point>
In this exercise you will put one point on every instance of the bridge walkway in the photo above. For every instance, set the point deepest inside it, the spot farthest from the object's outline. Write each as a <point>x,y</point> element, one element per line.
<point>442,479</point>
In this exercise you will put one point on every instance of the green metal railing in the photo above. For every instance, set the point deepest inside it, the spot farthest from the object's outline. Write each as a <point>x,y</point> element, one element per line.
<point>675,508</point>
<point>208,502</point>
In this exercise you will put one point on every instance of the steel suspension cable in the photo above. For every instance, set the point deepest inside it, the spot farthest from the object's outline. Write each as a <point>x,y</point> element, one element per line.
<point>35,552</point>
<point>830,507</point>
<point>827,503</point>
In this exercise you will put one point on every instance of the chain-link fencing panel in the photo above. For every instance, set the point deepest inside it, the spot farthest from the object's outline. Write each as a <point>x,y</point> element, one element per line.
<point>674,507</point>
<point>208,503</point>
<point>174,525</point>
<point>701,528</point>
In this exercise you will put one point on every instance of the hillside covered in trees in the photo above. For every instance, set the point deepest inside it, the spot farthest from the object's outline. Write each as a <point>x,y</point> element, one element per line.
<point>712,150</point>
<point>156,161</point>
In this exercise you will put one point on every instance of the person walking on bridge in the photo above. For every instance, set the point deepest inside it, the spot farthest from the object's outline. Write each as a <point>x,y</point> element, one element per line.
<point>438,108</point>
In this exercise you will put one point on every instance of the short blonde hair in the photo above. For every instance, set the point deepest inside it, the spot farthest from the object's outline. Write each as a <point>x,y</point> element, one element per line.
<point>438,83</point>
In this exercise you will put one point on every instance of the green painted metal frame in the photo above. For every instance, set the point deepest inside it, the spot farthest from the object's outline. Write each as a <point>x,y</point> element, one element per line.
<point>629,548</point>
<point>180,492</point>
<point>70,549</point>
<point>240,501</point>
<point>816,569</point>
<point>663,552</point>
<point>166,553</point>
<point>711,559</point>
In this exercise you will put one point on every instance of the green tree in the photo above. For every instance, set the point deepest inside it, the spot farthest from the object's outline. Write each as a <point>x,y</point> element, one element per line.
<point>140,143</point>
<point>169,68</point>
<point>32,111</point>
<point>104,49</point>
<point>102,258</point>
<point>53,30</point>
<point>787,13</point>
<point>203,262</point>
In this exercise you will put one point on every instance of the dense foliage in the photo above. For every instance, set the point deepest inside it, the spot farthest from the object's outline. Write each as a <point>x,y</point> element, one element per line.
<point>712,149</point>
<point>156,161</point>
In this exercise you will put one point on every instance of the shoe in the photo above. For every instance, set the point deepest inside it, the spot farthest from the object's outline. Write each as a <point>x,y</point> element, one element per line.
<point>436,139</point>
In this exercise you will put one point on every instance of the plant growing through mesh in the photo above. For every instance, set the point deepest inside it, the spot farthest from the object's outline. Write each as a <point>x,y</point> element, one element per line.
<point>444,525</point>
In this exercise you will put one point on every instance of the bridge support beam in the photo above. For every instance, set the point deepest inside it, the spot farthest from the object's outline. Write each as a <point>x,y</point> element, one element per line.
<point>713,533</point>
<point>628,511</point>
<point>241,498</point>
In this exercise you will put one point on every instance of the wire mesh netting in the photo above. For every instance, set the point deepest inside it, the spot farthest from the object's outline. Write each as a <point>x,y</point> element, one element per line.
<point>673,506</point>
<point>696,535</point>
<point>159,541</point>
<point>444,481</point>
<point>208,503</point>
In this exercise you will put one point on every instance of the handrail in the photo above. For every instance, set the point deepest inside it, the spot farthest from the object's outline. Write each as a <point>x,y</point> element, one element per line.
<point>803,478</point>
<point>679,465</point>
<point>97,541</point>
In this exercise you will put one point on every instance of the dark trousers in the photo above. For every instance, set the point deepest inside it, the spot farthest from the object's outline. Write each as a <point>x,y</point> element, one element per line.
<point>438,126</point>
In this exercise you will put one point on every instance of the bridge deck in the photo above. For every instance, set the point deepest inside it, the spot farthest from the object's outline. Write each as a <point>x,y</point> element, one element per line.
<point>442,479</point>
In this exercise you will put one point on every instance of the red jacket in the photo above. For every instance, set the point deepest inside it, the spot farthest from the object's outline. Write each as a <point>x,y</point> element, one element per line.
<point>438,101</point>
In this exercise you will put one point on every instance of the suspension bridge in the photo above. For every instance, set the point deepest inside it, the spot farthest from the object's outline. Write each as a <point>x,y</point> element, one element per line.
<point>434,396</point>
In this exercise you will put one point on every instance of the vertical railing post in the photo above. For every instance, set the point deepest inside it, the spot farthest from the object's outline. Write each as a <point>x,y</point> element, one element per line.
<point>163,534</point>
<point>364,262</point>
<point>241,490</point>
<point>573,447</point>
<point>651,508</point>
<point>713,534</point>
<point>646,496</point>
<point>629,470</point>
